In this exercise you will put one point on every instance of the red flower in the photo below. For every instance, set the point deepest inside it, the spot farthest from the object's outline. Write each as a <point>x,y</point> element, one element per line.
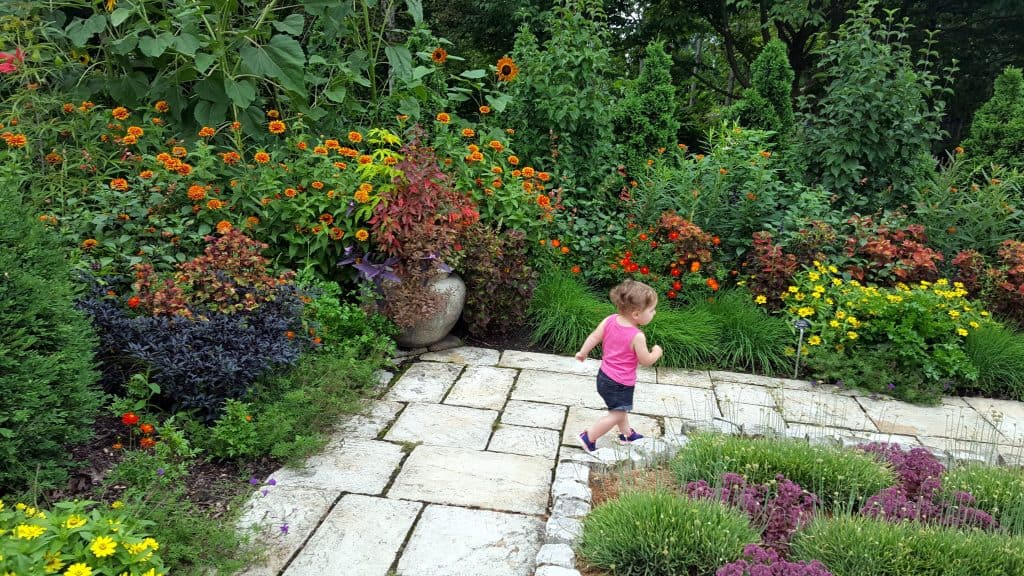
<point>643,236</point>
<point>672,294</point>
<point>677,285</point>
<point>673,235</point>
<point>146,428</point>
<point>129,418</point>
<point>654,244</point>
<point>133,302</point>
<point>644,270</point>
<point>146,442</point>
<point>712,283</point>
<point>676,272</point>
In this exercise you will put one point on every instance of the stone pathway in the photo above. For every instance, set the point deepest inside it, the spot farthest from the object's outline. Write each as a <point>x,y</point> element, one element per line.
<point>450,472</point>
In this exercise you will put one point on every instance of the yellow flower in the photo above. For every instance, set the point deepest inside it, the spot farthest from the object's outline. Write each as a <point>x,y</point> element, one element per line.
<point>853,322</point>
<point>28,531</point>
<point>819,288</point>
<point>829,301</point>
<point>961,331</point>
<point>789,351</point>
<point>893,299</point>
<point>799,296</point>
<point>833,269</point>
<point>954,314</point>
<point>362,235</point>
<point>814,340</point>
<point>805,312</point>
<point>814,276</point>
<point>761,299</point>
<point>116,504</point>
<point>834,323</point>
<point>974,324</point>
<point>851,335</point>
<point>53,562</point>
<point>74,521</point>
<point>984,314</point>
<point>793,289</point>
<point>151,543</point>
<point>79,569</point>
<point>840,314</point>
<point>103,546</point>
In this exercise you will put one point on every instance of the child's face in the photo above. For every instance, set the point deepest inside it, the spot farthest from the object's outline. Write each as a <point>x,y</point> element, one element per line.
<point>644,317</point>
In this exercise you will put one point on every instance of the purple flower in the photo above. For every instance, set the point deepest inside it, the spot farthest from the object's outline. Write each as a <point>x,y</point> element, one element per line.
<point>892,386</point>
<point>272,482</point>
<point>159,471</point>
<point>284,528</point>
<point>254,480</point>
<point>264,491</point>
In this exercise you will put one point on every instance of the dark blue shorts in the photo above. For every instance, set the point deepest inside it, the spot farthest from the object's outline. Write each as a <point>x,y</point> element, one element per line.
<point>616,396</point>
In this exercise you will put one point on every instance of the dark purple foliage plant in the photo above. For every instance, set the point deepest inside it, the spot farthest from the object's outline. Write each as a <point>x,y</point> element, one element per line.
<point>761,561</point>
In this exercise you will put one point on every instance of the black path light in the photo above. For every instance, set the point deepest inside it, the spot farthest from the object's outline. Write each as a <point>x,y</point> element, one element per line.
<point>801,324</point>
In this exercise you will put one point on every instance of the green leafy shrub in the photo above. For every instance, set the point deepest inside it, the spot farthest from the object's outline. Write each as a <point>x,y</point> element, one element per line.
<point>997,131</point>
<point>853,546</point>
<point>998,491</point>
<point>48,396</point>
<point>76,538</point>
<point>338,325</point>
<point>234,434</point>
<point>839,478</point>
<point>663,534</point>
<point>998,354</point>
<point>645,116</point>
<point>871,131</point>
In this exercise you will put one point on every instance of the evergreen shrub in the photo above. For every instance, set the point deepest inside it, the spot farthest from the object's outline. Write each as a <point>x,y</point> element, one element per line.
<point>48,397</point>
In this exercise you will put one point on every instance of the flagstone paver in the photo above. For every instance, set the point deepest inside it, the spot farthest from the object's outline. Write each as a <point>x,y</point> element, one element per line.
<point>464,477</point>
<point>525,441</point>
<point>465,355</point>
<point>534,414</point>
<point>443,425</point>
<point>450,472</point>
<point>482,387</point>
<point>424,382</point>
<point>951,419</point>
<point>451,541</point>
<point>360,537</point>
<point>355,465</point>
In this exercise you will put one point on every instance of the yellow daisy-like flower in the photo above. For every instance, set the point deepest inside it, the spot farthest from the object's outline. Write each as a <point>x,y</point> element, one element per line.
<point>793,289</point>
<point>852,335</point>
<point>151,543</point>
<point>840,314</point>
<point>837,281</point>
<point>28,531</point>
<point>362,235</point>
<point>103,546</point>
<point>79,569</point>
<point>814,276</point>
<point>53,563</point>
<point>789,351</point>
<point>116,504</point>
<point>814,340</point>
<point>761,299</point>
<point>974,324</point>
<point>954,314</point>
<point>961,331</point>
<point>74,521</point>
<point>805,312</point>
<point>834,323</point>
<point>833,269</point>
<point>799,296</point>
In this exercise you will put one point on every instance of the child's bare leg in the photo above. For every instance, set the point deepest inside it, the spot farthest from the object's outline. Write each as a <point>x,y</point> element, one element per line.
<point>606,423</point>
<point>624,425</point>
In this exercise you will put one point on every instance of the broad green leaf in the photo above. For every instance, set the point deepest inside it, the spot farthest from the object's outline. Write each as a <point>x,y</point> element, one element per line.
<point>420,71</point>
<point>187,44</point>
<point>317,59</point>
<point>498,103</point>
<point>409,107</point>
<point>204,61</point>
<point>415,8</point>
<point>210,113</point>
<point>474,74</point>
<point>282,59</point>
<point>118,16</point>
<point>124,45</point>
<point>241,92</point>
<point>336,94</point>
<point>400,60</point>
<point>293,24</point>
<point>154,46</point>
<point>80,31</point>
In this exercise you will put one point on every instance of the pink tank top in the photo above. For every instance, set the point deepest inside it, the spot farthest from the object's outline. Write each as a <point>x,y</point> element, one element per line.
<point>618,360</point>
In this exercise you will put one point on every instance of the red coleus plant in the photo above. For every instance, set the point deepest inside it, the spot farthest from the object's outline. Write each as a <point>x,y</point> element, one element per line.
<point>890,255</point>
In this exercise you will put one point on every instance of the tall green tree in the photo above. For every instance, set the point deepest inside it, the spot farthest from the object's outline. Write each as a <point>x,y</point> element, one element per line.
<point>997,134</point>
<point>645,117</point>
<point>767,105</point>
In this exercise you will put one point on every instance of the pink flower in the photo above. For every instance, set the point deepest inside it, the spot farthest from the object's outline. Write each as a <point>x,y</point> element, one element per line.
<point>8,60</point>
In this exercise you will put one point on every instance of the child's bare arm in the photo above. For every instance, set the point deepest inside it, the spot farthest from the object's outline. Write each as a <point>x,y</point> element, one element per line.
<point>645,357</point>
<point>593,340</point>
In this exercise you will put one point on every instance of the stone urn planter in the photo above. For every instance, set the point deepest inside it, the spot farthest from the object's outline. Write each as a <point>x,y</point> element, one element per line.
<point>431,330</point>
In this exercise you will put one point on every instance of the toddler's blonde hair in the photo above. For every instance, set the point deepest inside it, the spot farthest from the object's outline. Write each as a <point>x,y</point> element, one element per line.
<point>632,296</point>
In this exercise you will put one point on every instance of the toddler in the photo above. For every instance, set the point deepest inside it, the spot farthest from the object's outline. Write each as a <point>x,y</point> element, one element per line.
<point>623,346</point>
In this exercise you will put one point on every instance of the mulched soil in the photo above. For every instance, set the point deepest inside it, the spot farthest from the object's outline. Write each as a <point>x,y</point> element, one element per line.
<point>211,485</point>
<point>518,339</point>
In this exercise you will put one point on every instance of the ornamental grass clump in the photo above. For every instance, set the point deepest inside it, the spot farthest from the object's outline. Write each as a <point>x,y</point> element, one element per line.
<point>998,491</point>
<point>749,339</point>
<point>857,546</point>
<point>663,534</point>
<point>75,539</point>
<point>840,479</point>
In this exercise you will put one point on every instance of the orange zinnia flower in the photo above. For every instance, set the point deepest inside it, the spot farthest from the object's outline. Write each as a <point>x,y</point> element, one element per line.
<point>121,113</point>
<point>439,55</point>
<point>355,137</point>
<point>528,172</point>
<point>317,184</point>
<point>320,150</point>
<point>290,192</point>
<point>179,151</point>
<point>272,114</point>
<point>206,132</point>
<point>576,269</point>
<point>214,204</point>
<point>89,243</point>
<point>485,109</point>
<point>135,131</point>
<point>496,146</point>
<point>362,235</point>
<point>327,218</point>
<point>161,106</point>
<point>119,184</point>
<point>276,127</point>
<point>544,201</point>
<point>146,174</point>
<point>196,192</point>
<point>261,157</point>
<point>507,69</point>
<point>468,132</point>
<point>146,442</point>
<point>513,160</point>
<point>53,158</point>
<point>223,227</point>
<point>364,159</point>
<point>361,197</point>
<point>336,233</point>
<point>231,158</point>
<point>443,117</point>
<point>712,283</point>
<point>252,221</point>
<point>695,267</point>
